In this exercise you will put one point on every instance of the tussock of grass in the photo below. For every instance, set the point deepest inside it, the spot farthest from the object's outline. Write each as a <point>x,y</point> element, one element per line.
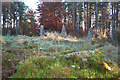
<point>69,51</point>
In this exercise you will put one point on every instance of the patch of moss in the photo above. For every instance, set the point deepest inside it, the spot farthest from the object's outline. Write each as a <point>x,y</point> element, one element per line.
<point>69,51</point>
<point>101,45</point>
<point>93,42</point>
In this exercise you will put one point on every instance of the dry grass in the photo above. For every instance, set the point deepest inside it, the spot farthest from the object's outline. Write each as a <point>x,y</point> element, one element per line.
<point>56,36</point>
<point>111,52</point>
<point>2,40</point>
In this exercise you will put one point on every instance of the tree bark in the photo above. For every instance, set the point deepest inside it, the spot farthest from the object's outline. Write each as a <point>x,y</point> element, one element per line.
<point>0,20</point>
<point>3,32</point>
<point>90,17</point>
<point>79,15</point>
<point>116,21</point>
<point>20,24</point>
<point>96,18</point>
<point>113,22</point>
<point>73,18</point>
<point>87,24</point>
<point>103,20</point>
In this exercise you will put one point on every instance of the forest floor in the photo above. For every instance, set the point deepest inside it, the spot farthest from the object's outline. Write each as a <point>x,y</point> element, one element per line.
<point>44,57</point>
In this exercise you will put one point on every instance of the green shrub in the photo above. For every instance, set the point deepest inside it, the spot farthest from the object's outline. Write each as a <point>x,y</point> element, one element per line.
<point>98,55</point>
<point>69,51</point>
<point>42,68</point>
<point>39,67</point>
<point>58,71</point>
<point>101,45</point>
<point>93,42</point>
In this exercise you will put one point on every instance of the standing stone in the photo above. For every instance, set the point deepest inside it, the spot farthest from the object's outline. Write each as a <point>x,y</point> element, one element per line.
<point>9,33</point>
<point>90,33</point>
<point>63,30</point>
<point>41,30</point>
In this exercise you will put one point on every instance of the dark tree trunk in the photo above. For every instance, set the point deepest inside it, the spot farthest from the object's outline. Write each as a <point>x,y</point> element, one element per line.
<point>96,18</point>
<point>90,17</point>
<point>103,21</point>
<point>16,26</point>
<point>117,15</point>
<point>20,24</point>
<point>0,19</point>
<point>113,26</point>
<point>117,20</point>
<point>68,21</point>
<point>87,24</point>
<point>16,20</point>
<point>9,23</point>
<point>84,16</point>
<point>14,23</point>
<point>4,27</point>
<point>108,27</point>
<point>65,19</point>
<point>73,18</point>
<point>79,15</point>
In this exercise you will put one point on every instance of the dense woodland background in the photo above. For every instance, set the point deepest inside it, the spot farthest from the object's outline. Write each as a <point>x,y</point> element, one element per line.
<point>18,19</point>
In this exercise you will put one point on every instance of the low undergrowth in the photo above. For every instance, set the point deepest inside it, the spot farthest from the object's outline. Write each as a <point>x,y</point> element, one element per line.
<point>28,51</point>
<point>72,67</point>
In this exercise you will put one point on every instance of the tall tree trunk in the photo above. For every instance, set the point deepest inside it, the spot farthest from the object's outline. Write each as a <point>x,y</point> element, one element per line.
<point>117,15</point>
<point>108,29</point>
<point>87,18</point>
<point>73,18</point>
<point>16,20</point>
<point>64,19</point>
<point>96,18</point>
<point>84,16</point>
<point>79,15</point>
<point>113,21</point>
<point>65,16</point>
<point>9,22</point>
<point>0,18</point>
<point>75,6</point>
<point>14,25</point>
<point>20,24</point>
<point>3,32</point>
<point>90,17</point>
<point>10,25</point>
<point>103,21</point>
<point>116,35</point>
<point>68,21</point>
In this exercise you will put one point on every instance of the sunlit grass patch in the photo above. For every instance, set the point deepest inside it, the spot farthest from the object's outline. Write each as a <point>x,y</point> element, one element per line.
<point>55,35</point>
<point>2,40</point>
